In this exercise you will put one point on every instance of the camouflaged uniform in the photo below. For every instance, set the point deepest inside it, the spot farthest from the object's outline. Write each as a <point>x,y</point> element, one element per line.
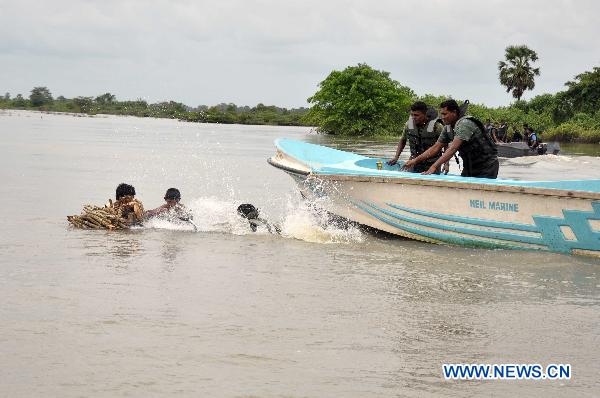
<point>420,139</point>
<point>478,150</point>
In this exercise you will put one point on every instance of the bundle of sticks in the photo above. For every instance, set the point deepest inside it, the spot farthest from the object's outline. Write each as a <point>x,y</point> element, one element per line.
<point>94,217</point>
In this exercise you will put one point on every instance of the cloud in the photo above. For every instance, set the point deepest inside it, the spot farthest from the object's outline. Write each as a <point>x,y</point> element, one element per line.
<point>276,52</point>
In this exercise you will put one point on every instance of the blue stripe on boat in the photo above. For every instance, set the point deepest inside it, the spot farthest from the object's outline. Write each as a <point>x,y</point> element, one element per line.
<point>459,240</point>
<point>550,227</point>
<point>469,220</point>
<point>462,230</point>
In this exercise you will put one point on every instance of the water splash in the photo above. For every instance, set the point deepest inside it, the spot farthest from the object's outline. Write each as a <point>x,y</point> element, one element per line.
<point>164,223</point>
<point>301,221</point>
<point>305,223</point>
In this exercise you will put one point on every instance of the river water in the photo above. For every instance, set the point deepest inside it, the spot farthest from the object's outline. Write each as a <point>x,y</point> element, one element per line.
<point>320,311</point>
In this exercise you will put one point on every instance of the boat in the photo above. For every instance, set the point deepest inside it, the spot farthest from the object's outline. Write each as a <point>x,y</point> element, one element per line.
<point>517,149</point>
<point>556,216</point>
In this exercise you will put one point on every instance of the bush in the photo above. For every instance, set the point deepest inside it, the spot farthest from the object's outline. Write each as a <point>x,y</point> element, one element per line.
<point>572,132</point>
<point>360,101</point>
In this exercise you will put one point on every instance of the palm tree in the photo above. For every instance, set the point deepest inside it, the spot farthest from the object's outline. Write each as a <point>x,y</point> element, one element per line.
<point>516,73</point>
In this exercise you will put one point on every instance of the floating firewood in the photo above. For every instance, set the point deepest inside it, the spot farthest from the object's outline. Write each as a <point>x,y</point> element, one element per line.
<point>93,217</point>
<point>118,215</point>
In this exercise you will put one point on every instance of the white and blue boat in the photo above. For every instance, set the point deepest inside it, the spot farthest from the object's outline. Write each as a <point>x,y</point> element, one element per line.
<point>558,216</point>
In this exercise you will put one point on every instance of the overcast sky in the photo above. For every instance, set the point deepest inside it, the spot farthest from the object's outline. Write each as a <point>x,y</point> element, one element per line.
<point>276,51</point>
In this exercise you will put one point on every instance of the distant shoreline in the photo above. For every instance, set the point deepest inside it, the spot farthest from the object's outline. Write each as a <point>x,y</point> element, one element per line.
<point>102,115</point>
<point>182,119</point>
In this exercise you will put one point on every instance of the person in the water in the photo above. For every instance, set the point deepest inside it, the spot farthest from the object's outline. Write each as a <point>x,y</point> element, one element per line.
<point>129,207</point>
<point>172,206</point>
<point>252,214</point>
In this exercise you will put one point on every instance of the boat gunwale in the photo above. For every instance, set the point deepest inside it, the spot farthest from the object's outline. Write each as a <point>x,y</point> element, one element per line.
<point>415,180</point>
<point>286,168</point>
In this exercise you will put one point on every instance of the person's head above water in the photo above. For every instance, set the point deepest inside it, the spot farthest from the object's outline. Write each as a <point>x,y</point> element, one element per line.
<point>251,213</point>
<point>248,211</point>
<point>124,190</point>
<point>172,196</point>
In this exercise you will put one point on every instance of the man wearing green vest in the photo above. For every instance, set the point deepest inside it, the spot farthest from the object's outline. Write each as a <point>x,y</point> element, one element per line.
<point>422,131</point>
<point>469,137</point>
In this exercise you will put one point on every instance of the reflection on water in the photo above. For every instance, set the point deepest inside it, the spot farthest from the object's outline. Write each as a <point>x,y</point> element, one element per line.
<point>580,149</point>
<point>170,250</point>
<point>500,279</point>
<point>119,244</point>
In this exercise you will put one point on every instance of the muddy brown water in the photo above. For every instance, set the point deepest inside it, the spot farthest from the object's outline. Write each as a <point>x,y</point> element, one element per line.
<point>321,311</point>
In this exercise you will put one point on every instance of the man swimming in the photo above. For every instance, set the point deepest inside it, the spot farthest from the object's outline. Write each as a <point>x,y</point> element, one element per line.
<point>251,213</point>
<point>173,208</point>
<point>172,199</point>
<point>127,205</point>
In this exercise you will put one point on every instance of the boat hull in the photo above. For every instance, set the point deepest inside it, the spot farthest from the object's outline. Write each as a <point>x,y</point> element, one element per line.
<point>468,217</point>
<point>459,211</point>
<point>518,149</point>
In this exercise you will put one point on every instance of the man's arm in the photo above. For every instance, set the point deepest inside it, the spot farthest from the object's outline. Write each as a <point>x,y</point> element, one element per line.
<point>156,212</point>
<point>431,152</point>
<point>448,153</point>
<point>399,150</point>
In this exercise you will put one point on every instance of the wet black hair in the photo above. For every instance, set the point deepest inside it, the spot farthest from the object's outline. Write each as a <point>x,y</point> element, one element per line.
<point>451,105</point>
<point>124,190</point>
<point>173,194</point>
<point>247,210</point>
<point>419,106</point>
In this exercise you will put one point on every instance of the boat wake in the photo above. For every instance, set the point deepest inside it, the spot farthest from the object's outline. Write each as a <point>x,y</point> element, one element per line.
<point>550,167</point>
<point>305,222</point>
<point>300,220</point>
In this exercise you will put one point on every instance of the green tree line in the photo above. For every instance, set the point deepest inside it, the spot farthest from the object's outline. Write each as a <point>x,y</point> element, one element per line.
<point>41,99</point>
<point>362,101</point>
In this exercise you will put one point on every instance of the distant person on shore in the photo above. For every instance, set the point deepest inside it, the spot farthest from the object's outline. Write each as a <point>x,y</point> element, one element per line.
<point>532,139</point>
<point>492,131</point>
<point>488,126</point>
<point>501,132</point>
<point>422,131</point>
<point>468,136</point>
<point>517,136</point>
<point>131,209</point>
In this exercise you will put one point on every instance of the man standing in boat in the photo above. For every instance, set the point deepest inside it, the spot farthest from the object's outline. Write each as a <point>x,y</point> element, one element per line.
<point>422,131</point>
<point>501,133</point>
<point>469,137</point>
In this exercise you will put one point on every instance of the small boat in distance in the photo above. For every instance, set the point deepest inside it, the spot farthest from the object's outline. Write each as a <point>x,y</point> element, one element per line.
<point>517,149</point>
<point>558,216</point>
